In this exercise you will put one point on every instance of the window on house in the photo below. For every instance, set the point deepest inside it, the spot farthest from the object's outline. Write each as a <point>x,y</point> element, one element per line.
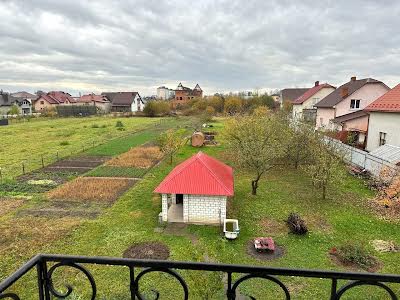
<point>382,138</point>
<point>355,103</point>
<point>42,102</point>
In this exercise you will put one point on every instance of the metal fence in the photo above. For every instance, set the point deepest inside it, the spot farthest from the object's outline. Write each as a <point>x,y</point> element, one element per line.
<point>47,265</point>
<point>378,167</point>
<point>32,163</point>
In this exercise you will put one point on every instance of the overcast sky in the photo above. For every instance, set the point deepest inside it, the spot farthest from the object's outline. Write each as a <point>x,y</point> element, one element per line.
<point>94,46</point>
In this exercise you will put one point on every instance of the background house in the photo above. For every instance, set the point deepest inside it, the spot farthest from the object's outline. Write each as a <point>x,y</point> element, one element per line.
<point>52,99</point>
<point>384,120</point>
<point>125,101</point>
<point>291,94</point>
<point>196,191</point>
<point>165,93</point>
<point>101,102</point>
<point>6,102</point>
<point>183,94</point>
<point>348,99</point>
<point>303,106</point>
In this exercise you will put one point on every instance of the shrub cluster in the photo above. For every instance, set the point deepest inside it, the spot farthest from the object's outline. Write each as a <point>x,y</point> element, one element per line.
<point>354,253</point>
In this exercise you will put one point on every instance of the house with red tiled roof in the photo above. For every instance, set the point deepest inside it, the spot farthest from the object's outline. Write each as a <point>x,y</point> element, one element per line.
<point>196,191</point>
<point>303,106</point>
<point>340,109</point>
<point>52,99</point>
<point>384,120</point>
<point>102,103</point>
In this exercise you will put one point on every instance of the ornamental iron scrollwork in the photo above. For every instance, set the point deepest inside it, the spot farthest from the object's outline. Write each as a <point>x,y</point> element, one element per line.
<point>355,283</point>
<point>232,291</point>
<point>58,294</point>
<point>157,294</point>
<point>10,296</point>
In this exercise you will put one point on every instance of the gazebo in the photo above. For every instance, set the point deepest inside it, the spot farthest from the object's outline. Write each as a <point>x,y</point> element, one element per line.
<point>196,191</point>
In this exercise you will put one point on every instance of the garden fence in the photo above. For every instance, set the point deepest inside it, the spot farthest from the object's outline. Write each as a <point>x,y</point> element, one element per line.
<point>377,166</point>
<point>32,163</point>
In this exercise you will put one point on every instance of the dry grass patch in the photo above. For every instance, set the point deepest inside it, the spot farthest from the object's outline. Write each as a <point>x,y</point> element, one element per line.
<point>139,157</point>
<point>91,189</point>
<point>27,235</point>
<point>273,227</point>
<point>9,204</point>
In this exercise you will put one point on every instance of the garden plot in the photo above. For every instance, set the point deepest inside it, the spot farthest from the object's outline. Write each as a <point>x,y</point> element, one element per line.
<point>63,209</point>
<point>78,164</point>
<point>9,204</point>
<point>133,164</point>
<point>140,157</point>
<point>99,190</point>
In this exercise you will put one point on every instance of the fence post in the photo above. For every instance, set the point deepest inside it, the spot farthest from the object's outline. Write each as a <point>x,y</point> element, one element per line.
<point>1,175</point>
<point>58,156</point>
<point>42,161</point>
<point>23,168</point>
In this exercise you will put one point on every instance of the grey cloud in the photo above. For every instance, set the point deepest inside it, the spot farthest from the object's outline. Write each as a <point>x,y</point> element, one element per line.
<point>224,45</point>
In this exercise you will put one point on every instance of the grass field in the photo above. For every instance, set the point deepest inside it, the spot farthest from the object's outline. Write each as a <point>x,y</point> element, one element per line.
<point>27,141</point>
<point>343,216</point>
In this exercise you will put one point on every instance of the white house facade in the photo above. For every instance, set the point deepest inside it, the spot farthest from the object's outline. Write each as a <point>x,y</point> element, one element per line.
<point>196,191</point>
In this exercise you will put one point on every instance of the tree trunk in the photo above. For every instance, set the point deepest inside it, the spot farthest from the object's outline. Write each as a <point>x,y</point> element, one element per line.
<point>254,186</point>
<point>323,192</point>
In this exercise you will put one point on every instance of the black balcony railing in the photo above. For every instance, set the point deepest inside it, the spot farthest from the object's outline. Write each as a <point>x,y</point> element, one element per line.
<point>46,265</point>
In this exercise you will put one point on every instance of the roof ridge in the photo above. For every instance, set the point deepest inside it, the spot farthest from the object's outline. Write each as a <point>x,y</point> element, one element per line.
<point>211,171</point>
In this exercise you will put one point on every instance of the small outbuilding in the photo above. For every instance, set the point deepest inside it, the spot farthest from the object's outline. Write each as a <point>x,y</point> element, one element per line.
<point>196,191</point>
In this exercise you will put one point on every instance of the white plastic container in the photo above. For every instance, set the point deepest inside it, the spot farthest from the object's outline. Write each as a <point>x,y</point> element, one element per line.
<point>231,228</point>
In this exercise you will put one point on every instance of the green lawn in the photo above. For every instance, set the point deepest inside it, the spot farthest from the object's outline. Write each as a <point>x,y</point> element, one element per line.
<point>133,218</point>
<point>27,141</point>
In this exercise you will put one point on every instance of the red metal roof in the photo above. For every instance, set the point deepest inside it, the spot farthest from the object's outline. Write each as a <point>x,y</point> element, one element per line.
<point>388,102</point>
<point>311,92</point>
<point>199,175</point>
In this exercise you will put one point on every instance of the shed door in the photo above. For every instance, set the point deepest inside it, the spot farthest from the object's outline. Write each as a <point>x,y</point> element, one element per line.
<point>179,199</point>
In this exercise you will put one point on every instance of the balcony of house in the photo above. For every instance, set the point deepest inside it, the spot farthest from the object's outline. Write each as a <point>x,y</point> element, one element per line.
<point>44,272</point>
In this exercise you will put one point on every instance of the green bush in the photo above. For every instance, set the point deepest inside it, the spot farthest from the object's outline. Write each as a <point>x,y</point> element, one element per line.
<point>64,143</point>
<point>355,253</point>
<point>119,124</point>
<point>95,126</point>
<point>157,108</point>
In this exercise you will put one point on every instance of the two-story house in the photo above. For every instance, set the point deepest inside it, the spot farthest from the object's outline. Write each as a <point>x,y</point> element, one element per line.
<point>384,120</point>
<point>303,106</point>
<point>52,99</point>
<point>343,108</point>
<point>183,94</point>
<point>125,101</point>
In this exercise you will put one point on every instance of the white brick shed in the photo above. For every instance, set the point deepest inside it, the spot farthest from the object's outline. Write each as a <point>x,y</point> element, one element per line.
<point>196,191</point>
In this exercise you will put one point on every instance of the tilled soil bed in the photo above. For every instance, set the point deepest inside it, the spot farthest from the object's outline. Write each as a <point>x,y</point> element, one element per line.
<point>147,250</point>
<point>80,164</point>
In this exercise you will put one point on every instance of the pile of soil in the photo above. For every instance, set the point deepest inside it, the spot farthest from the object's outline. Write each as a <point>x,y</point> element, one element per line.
<point>264,255</point>
<point>147,250</point>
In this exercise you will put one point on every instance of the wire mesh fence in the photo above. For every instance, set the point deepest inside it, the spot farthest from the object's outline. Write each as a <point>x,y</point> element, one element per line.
<point>32,163</point>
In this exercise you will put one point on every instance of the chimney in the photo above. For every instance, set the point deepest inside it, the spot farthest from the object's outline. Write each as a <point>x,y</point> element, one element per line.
<point>344,92</point>
<point>354,78</point>
<point>317,83</point>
